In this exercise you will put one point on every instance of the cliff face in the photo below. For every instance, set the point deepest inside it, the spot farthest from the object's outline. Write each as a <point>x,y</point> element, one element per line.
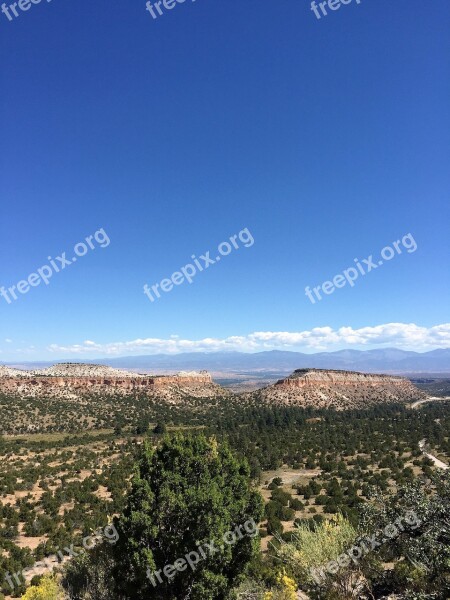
<point>104,381</point>
<point>338,389</point>
<point>319,388</point>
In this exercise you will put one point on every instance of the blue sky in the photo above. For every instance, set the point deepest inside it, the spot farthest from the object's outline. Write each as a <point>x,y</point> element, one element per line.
<point>326,138</point>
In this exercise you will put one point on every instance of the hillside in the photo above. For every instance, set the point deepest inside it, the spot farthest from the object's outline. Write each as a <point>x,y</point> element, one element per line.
<point>67,396</point>
<point>341,390</point>
<point>83,370</point>
<point>320,388</point>
<point>74,380</point>
<point>10,372</point>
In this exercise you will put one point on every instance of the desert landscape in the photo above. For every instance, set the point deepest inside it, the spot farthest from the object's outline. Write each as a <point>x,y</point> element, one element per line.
<point>318,443</point>
<point>224,292</point>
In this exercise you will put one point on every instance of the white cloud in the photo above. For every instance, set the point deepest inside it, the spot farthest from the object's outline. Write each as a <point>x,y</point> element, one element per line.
<point>407,336</point>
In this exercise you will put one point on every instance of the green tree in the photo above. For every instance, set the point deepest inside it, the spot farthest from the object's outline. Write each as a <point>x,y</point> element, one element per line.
<point>187,493</point>
<point>420,549</point>
<point>160,429</point>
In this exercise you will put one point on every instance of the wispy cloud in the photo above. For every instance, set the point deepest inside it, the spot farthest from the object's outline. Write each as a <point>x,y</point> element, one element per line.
<point>407,336</point>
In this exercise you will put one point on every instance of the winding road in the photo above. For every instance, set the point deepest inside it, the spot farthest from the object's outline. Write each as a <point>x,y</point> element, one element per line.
<point>436,461</point>
<point>430,399</point>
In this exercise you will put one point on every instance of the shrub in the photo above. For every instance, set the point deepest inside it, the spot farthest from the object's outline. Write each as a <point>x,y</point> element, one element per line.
<point>47,589</point>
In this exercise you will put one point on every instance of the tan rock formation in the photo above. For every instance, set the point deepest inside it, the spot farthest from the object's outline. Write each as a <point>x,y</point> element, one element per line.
<point>322,388</point>
<point>76,380</point>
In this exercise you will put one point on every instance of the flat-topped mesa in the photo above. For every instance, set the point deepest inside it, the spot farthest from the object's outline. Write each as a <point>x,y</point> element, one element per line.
<point>82,370</point>
<point>326,388</point>
<point>307,377</point>
<point>183,378</point>
<point>76,380</point>
<point>10,372</point>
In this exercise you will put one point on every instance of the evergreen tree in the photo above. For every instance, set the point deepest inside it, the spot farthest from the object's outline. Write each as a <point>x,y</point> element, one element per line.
<point>187,493</point>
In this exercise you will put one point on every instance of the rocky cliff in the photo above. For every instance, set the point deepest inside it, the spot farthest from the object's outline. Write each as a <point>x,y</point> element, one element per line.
<point>77,380</point>
<point>341,390</point>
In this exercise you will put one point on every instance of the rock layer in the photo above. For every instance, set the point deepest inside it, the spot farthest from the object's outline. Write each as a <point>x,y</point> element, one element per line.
<point>322,388</point>
<point>76,380</point>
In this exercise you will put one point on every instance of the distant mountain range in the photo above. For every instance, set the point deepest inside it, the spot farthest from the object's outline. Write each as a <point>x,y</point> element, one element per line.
<point>277,362</point>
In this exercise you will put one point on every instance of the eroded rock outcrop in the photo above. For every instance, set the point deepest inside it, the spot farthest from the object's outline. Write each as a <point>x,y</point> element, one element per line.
<point>10,372</point>
<point>323,388</point>
<point>74,380</point>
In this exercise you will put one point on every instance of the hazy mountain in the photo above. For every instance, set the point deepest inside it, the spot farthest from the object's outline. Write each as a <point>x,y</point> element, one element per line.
<point>386,360</point>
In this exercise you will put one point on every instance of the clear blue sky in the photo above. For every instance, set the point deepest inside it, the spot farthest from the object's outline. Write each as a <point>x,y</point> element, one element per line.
<point>327,139</point>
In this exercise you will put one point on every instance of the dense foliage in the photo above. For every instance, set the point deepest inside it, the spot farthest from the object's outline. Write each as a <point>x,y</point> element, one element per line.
<point>312,466</point>
<point>188,493</point>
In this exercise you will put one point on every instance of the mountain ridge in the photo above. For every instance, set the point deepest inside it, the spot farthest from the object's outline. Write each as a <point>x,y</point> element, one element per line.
<point>386,360</point>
